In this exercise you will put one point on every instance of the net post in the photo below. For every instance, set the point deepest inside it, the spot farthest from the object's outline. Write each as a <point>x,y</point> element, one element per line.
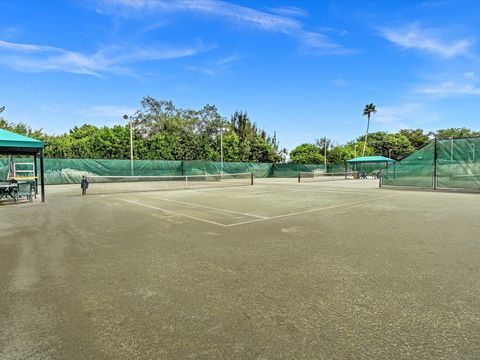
<point>251,178</point>
<point>186,182</point>
<point>299,176</point>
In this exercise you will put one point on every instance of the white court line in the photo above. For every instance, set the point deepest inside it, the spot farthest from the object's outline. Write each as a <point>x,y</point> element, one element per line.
<point>215,209</point>
<point>174,212</point>
<point>264,219</point>
<point>308,211</point>
<point>317,191</point>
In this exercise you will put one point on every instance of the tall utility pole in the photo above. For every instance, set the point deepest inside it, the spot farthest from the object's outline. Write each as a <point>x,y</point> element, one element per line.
<point>325,160</point>
<point>131,143</point>
<point>222,129</point>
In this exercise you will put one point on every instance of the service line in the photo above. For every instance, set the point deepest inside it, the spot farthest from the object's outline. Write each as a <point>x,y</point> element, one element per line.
<point>215,209</point>
<point>173,212</point>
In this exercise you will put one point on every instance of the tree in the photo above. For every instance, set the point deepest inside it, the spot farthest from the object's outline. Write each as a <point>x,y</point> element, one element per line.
<point>306,154</point>
<point>368,111</point>
<point>395,146</point>
<point>456,133</point>
<point>341,153</point>
<point>416,137</point>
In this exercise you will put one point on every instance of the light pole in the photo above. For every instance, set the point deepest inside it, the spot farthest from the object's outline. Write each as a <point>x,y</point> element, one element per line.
<point>222,129</point>
<point>390,153</point>
<point>355,151</point>
<point>131,143</point>
<point>325,157</point>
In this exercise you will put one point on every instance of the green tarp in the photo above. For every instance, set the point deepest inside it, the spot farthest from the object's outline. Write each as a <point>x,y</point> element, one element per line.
<point>457,166</point>
<point>70,171</point>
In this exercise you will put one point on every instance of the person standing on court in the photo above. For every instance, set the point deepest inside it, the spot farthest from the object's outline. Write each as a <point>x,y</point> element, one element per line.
<point>84,185</point>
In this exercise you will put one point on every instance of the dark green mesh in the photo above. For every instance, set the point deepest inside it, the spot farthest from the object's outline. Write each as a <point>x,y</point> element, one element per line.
<point>290,170</point>
<point>415,170</point>
<point>457,160</point>
<point>458,163</point>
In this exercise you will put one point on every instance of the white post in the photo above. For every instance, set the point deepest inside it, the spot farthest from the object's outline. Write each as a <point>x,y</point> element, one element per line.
<point>221,148</point>
<point>131,143</point>
<point>325,160</point>
<point>131,147</point>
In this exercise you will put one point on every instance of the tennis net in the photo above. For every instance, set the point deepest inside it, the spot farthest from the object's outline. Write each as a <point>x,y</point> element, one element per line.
<point>322,176</point>
<point>125,184</point>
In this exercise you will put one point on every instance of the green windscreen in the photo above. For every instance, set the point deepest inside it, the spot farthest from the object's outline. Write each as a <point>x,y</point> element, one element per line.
<point>202,167</point>
<point>457,166</point>
<point>458,163</point>
<point>416,170</point>
<point>290,170</point>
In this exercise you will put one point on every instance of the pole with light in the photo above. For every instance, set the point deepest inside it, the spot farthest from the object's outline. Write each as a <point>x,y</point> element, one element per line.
<point>222,129</point>
<point>325,157</point>
<point>125,117</point>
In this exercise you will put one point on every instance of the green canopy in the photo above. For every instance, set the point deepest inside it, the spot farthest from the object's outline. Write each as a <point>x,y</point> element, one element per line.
<point>370,159</point>
<point>12,141</point>
<point>16,144</point>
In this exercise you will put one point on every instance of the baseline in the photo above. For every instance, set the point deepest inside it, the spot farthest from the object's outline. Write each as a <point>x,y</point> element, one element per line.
<point>174,212</point>
<point>214,208</point>
<point>310,210</point>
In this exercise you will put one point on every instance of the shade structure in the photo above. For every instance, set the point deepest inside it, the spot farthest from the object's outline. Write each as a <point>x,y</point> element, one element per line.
<point>370,159</point>
<point>369,164</point>
<point>16,144</point>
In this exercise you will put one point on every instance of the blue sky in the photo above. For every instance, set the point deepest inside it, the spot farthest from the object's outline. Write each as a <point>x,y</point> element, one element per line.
<point>304,69</point>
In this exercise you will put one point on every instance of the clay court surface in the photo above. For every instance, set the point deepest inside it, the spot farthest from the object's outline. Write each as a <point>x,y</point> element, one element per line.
<point>278,270</point>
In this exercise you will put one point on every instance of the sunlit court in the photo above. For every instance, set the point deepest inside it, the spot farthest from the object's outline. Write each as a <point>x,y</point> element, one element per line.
<point>239,180</point>
<point>278,269</point>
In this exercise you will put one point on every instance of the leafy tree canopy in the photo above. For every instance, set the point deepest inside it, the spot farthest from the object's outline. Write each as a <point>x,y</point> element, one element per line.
<point>456,132</point>
<point>395,146</point>
<point>417,137</point>
<point>164,131</point>
<point>306,154</point>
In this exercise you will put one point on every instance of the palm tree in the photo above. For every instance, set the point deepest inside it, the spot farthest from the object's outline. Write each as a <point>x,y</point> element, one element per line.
<point>369,110</point>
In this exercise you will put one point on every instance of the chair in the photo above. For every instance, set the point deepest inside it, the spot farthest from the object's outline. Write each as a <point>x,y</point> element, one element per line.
<point>24,189</point>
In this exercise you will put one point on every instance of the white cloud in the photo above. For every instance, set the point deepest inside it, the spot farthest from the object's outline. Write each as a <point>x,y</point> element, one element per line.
<point>289,11</point>
<point>267,21</point>
<point>409,115</point>
<point>204,70</point>
<point>39,58</point>
<point>216,67</point>
<point>26,47</point>
<point>429,40</point>
<point>449,89</point>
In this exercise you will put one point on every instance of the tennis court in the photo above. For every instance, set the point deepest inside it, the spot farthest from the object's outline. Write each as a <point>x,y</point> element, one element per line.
<point>277,270</point>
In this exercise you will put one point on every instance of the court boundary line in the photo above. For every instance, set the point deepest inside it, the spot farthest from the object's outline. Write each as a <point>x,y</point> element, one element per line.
<point>309,211</point>
<point>338,205</point>
<point>315,190</point>
<point>174,212</point>
<point>214,208</point>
